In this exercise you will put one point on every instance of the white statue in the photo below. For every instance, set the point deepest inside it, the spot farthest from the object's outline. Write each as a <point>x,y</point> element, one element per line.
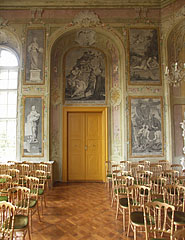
<point>34,52</point>
<point>31,128</point>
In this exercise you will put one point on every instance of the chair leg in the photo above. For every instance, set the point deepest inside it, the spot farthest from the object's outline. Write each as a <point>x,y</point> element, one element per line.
<point>38,212</point>
<point>135,233</point>
<point>117,208</point>
<point>124,220</point>
<point>128,231</point>
<point>29,234</point>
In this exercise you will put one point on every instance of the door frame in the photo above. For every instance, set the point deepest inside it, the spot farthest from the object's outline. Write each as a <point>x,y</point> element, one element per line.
<point>103,111</point>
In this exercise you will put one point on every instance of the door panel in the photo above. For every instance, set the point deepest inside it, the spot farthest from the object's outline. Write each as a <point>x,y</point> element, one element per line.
<point>76,143</point>
<point>85,146</point>
<point>94,146</point>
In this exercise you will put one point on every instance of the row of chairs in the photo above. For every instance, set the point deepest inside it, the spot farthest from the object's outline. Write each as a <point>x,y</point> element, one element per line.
<point>166,189</point>
<point>24,188</point>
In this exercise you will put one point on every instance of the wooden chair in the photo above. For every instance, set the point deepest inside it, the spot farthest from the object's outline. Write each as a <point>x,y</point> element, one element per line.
<point>177,167</point>
<point>5,183</point>
<point>157,188</point>
<point>137,195</point>
<point>143,178</point>
<point>122,183</point>
<point>146,164</point>
<point>181,180</point>
<point>33,184</point>
<point>125,165</point>
<point>175,195</point>
<point>171,176</point>
<point>115,172</point>
<point>20,198</point>
<point>156,169</point>
<point>108,174</point>
<point>157,224</point>
<point>14,173</point>
<point>41,175</point>
<point>165,164</point>
<point>7,214</point>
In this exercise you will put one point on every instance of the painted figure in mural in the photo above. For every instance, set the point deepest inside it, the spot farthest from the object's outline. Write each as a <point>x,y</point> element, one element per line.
<point>32,124</point>
<point>34,52</point>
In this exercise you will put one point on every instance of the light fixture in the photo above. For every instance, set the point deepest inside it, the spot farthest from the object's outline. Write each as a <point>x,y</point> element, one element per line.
<point>175,72</point>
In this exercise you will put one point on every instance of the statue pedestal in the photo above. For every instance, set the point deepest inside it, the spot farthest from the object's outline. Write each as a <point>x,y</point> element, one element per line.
<point>35,75</point>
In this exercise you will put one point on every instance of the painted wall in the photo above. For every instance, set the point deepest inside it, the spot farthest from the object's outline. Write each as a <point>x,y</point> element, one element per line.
<point>111,32</point>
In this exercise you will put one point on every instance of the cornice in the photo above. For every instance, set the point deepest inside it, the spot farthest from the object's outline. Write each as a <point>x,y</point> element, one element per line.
<point>88,4</point>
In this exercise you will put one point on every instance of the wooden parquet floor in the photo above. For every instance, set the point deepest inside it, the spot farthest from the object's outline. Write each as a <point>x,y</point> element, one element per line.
<point>79,211</point>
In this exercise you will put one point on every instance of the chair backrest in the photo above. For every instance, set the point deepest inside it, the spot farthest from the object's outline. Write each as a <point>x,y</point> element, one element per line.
<point>20,198</point>
<point>143,178</point>
<point>5,181</point>
<point>14,173</point>
<point>122,183</point>
<point>125,165</point>
<point>7,213</point>
<point>24,169</point>
<point>33,184</point>
<point>156,169</point>
<point>157,185</point>
<point>177,167</point>
<point>171,176</point>
<point>165,164</point>
<point>42,176</point>
<point>156,220</point>
<point>175,194</point>
<point>181,180</point>
<point>137,196</point>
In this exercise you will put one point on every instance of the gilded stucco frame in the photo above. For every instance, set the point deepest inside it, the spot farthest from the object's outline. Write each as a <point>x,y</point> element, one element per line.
<point>35,56</point>
<point>146,131</point>
<point>144,65</point>
<point>33,144</point>
<point>84,100</point>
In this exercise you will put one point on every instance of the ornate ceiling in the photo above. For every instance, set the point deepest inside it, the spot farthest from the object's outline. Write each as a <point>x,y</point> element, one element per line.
<point>83,3</point>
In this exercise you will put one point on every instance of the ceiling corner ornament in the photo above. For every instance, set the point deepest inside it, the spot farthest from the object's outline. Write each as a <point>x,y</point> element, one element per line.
<point>36,15</point>
<point>142,13</point>
<point>85,37</point>
<point>115,96</point>
<point>3,22</point>
<point>86,19</point>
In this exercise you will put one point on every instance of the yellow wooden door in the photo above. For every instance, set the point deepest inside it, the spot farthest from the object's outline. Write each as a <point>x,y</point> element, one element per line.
<point>85,147</point>
<point>76,145</point>
<point>93,146</point>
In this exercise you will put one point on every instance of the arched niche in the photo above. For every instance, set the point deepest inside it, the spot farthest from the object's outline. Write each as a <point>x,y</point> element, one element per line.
<point>110,45</point>
<point>176,53</point>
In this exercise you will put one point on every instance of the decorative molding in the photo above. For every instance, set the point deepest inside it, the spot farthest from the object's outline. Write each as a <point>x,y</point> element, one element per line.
<point>8,39</point>
<point>86,19</point>
<point>144,90</point>
<point>115,96</point>
<point>85,37</point>
<point>36,15</point>
<point>3,22</point>
<point>142,17</point>
<point>33,89</point>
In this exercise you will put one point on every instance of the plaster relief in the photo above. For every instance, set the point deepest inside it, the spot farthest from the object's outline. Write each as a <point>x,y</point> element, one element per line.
<point>86,19</point>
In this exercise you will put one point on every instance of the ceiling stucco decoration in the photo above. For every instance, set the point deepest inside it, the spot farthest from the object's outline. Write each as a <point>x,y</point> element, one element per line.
<point>85,37</point>
<point>115,96</point>
<point>36,15</point>
<point>86,19</point>
<point>3,22</point>
<point>8,39</point>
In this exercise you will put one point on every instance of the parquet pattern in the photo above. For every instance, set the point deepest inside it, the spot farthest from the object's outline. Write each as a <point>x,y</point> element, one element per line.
<point>79,211</point>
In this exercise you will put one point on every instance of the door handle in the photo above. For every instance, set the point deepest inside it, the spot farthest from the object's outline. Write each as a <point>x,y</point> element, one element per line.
<point>85,147</point>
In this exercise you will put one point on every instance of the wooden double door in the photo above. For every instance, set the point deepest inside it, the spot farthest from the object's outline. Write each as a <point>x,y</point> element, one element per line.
<point>84,146</point>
